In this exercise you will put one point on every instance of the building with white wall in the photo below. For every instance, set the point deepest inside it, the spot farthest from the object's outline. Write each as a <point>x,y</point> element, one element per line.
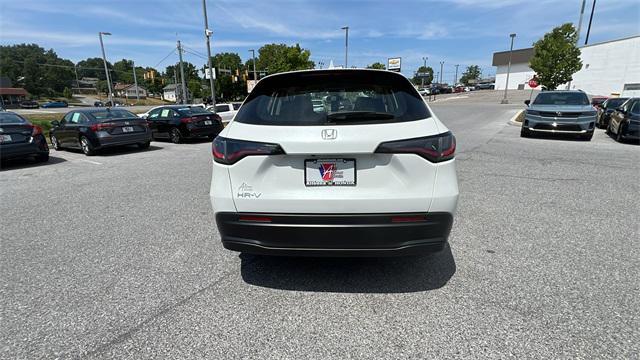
<point>607,67</point>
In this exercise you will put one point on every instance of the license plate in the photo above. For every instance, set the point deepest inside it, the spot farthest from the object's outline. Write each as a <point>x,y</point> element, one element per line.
<point>208,122</point>
<point>127,129</point>
<point>5,138</point>
<point>330,172</point>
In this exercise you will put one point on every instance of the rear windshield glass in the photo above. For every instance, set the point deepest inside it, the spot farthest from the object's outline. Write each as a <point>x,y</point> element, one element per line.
<point>333,97</point>
<point>112,114</point>
<point>236,106</point>
<point>193,111</point>
<point>561,98</point>
<point>614,103</point>
<point>9,118</point>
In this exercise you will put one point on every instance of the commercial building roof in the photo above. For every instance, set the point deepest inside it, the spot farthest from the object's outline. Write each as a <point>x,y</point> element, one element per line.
<point>13,91</point>
<point>518,56</point>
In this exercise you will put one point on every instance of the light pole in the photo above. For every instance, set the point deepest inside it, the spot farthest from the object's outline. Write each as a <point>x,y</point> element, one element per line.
<point>346,45</point>
<point>506,86</point>
<point>424,61</point>
<point>441,72</point>
<point>578,32</point>
<point>253,55</point>
<point>106,69</point>
<point>455,80</point>
<point>135,80</point>
<point>207,34</point>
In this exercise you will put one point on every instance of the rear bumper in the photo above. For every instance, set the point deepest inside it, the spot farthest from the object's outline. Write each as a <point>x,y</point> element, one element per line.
<point>121,140</point>
<point>21,150</point>
<point>334,235</point>
<point>203,131</point>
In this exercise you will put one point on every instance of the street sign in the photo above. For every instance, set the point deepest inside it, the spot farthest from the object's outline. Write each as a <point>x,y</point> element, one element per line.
<point>394,64</point>
<point>533,83</point>
<point>206,73</point>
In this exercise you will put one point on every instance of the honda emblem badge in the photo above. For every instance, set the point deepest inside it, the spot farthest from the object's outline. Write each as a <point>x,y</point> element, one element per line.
<point>329,134</point>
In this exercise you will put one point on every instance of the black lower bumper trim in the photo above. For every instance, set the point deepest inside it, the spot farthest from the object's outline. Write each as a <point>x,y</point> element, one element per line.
<point>334,235</point>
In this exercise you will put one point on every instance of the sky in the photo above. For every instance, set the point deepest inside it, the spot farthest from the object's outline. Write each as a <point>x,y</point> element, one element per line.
<point>463,32</point>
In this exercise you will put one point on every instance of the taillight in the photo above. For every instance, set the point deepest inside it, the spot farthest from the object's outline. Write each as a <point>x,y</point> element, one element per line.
<point>187,120</point>
<point>102,126</point>
<point>408,218</point>
<point>230,151</point>
<point>436,148</point>
<point>36,130</point>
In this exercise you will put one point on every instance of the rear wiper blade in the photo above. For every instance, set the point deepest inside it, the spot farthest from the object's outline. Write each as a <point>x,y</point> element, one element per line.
<point>360,116</point>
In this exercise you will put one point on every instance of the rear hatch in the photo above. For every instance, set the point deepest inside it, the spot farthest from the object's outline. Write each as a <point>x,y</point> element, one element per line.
<point>324,158</point>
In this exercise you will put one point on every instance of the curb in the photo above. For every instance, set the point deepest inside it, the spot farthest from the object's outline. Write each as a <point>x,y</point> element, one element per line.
<point>517,119</point>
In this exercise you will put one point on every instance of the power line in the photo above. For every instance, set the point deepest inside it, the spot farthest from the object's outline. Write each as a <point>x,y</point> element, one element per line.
<point>165,58</point>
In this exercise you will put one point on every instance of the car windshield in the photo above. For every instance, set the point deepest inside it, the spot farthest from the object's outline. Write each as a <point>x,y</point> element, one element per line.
<point>330,97</point>
<point>614,103</point>
<point>561,98</point>
<point>112,114</point>
<point>10,118</point>
<point>188,111</point>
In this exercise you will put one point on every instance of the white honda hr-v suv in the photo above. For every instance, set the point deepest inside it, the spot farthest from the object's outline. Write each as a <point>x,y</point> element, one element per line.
<point>371,172</point>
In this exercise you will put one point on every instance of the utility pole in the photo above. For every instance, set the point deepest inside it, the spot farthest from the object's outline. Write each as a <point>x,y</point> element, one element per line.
<point>182,80</point>
<point>207,34</point>
<point>424,61</point>
<point>255,77</point>
<point>346,46</point>
<point>578,32</point>
<point>175,79</point>
<point>441,72</point>
<point>506,86</point>
<point>75,70</point>
<point>593,8</point>
<point>106,69</point>
<point>455,80</point>
<point>135,80</point>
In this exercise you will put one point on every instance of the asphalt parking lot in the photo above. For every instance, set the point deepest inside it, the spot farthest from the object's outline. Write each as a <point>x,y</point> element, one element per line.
<point>117,256</point>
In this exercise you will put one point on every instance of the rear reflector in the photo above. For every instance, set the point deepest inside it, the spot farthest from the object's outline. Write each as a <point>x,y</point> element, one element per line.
<point>253,218</point>
<point>408,219</point>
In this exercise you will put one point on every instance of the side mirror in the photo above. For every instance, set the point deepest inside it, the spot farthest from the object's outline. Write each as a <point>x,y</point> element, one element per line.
<point>527,102</point>
<point>55,123</point>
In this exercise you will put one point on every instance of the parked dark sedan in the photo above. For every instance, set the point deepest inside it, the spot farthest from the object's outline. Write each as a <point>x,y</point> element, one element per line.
<point>55,104</point>
<point>606,109</point>
<point>178,122</point>
<point>29,104</point>
<point>93,129</point>
<point>21,139</point>
<point>625,121</point>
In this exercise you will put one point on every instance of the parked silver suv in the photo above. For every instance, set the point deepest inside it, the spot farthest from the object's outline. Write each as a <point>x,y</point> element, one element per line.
<point>565,112</point>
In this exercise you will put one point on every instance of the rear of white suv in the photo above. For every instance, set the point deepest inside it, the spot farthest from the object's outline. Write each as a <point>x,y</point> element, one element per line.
<point>369,173</point>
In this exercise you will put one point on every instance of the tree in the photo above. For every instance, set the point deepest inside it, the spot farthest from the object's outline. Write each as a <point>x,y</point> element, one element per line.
<point>93,68</point>
<point>556,57</point>
<point>376,65</point>
<point>39,71</point>
<point>276,58</point>
<point>67,93</point>
<point>417,80</point>
<point>473,72</point>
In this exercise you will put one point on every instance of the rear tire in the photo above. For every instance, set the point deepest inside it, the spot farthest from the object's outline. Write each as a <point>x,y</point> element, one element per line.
<point>144,145</point>
<point>608,129</point>
<point>619,134</point>
<point>175,136</point>
<point>86,146</point>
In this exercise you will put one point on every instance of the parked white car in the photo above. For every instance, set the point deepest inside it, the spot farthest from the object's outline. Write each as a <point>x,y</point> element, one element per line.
<point>145,115</point>
<point>226,111</point>
<point>373,178</point>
